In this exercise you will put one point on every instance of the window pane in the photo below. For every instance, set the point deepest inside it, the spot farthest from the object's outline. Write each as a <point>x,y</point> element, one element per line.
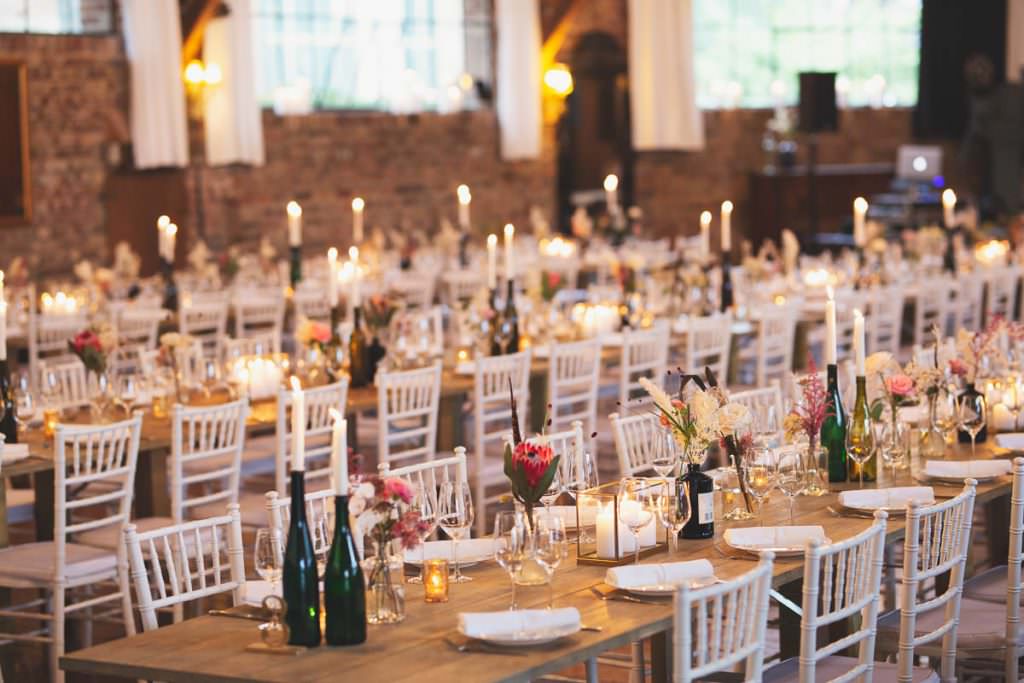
<point>55,16</point>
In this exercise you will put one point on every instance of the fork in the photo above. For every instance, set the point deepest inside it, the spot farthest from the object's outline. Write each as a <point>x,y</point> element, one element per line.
<point>733,557</point>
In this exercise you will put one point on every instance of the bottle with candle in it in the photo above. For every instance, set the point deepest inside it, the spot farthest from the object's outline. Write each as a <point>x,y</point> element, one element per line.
<point>8,409</point>
<point>510,321</point>
<point>701,491</point>
<point>833,429</point>
<point>358,352</point>
<point>862,436</point>
<point>299,581</point>
<point>344,585</point>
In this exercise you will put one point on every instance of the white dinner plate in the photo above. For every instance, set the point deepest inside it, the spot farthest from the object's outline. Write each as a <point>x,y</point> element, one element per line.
<point>668,589</point>
<point>469,555</point>
<point>780,551</point>
<point>526,638</point>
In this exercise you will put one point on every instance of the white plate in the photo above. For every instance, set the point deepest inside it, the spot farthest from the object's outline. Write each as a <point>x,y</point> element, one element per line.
<point>870,509</point>
<point>526,638</point>
<point>468,557</point>
<point>669,589</point>
<point>779,551</point>
<point>924,478</point>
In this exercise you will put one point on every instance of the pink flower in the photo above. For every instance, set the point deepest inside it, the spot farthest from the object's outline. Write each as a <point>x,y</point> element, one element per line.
<point>320,332</point>
<point>958,367</point>
<point>534,459</point>
<point>397,488</point>
<point>900,385</point>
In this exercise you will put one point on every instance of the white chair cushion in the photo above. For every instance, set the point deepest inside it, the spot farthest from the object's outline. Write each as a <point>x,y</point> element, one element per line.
<point>111,537</point>
<point>38,562</point>
<point>835,666</point>
<point>982,627</point>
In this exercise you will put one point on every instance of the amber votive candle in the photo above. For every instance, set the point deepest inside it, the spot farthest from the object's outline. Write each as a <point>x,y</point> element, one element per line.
<point>51,416</point>
<point>435,580</point>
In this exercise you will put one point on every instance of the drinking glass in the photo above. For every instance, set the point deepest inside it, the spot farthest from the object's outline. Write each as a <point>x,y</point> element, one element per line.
<point>791,477</point>
<point>665,460</point>
<point>551,547</point>
<point>555,489</point>
<point>767,427</point>
<point>636,509</point>
<point>269,556</point>
<point>511,543</point>
<point>971,411</point>
<point>946,413</point>
<point>455,517</point>
<point>673,510</point>
<point>862,450</point>
<point>424,502</point>
<point>760,474</point>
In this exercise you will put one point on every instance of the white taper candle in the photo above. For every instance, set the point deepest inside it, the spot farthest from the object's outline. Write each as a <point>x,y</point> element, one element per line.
<point>492,261</point>
<point>357,219</point>
<point>332,277</point>
<point>830,328</point>
<point>858,341</point>
<point>298,426</point>
<point>294,224</point>
<point>726,226</point>
<point>510,261</point>
<point>339,453</point>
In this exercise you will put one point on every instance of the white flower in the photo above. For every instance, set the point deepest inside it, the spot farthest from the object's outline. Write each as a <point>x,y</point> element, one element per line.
<point>704,412</point>
<point>661,398</point>
<point>880,363</point>
<point>365,491</point>
<point>356,505</point>
<point>733,418</point>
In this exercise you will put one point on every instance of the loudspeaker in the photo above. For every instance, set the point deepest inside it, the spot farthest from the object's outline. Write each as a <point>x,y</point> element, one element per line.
<point>818,102</point>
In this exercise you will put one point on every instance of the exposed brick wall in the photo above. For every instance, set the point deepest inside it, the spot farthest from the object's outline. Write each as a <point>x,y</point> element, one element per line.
<point>77,102</point>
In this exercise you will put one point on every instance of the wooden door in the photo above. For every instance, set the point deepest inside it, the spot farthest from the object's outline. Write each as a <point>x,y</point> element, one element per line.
<point>135,199</point>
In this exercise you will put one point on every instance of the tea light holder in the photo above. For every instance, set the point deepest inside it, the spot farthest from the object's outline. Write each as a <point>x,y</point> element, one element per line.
<point>602,511</point>
<point>51,416</point>
<point>435,580</point>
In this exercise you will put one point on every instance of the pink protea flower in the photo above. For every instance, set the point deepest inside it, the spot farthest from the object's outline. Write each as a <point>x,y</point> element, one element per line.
<point>900,385</point>
<point>534,459</point>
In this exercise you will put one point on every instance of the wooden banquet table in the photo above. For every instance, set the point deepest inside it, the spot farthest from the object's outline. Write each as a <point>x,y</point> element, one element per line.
<point>210,649</point>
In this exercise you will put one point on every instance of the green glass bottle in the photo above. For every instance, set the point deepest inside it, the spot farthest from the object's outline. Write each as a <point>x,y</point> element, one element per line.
<point>510,320</point>
<point>8,409</point>
<point>833,429</point>
<point>295,265</point>
<point>493,333</point>
<point>344,587</point>
<point>358,352</point>
<point>299,580</point>
<point>861,433</point>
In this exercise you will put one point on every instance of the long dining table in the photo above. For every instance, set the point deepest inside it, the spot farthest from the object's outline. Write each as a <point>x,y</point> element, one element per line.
<point>209,649</point>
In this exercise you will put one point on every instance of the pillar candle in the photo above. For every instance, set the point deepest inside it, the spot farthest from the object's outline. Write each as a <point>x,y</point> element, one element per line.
<point>298,427</point>
<point>492,261</point>
<point>339,453</point>
<point>510,262</point>
<point>332,277</point>
<point>830,328</point>
<point>860,212</point>
<point>357,219</point>
<point>161,236</point>
<point>705,234</point>
<point>294,224</point>
<point>462,192</point>
<point>627,543</point>
<point>172,241</point>
<point>726,226</point>
<point>611,192</point>
<point>949,207</point>
<point>858,341</point>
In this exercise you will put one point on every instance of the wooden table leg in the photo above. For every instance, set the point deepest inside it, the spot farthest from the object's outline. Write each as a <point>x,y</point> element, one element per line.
<point>43,506</point>
<point>152,497</point>
<point>661,657</point>
<point>789,622</point>
<point>449,425</point>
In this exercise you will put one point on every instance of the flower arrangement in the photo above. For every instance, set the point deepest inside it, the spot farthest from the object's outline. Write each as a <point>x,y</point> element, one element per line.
<point>313,334</point>
<point>550,284</point>
<point>92,346</point>
<point>379,310</point>
<point>972,347</point>
<point>530,465</point>
<point>809,414</point>
<point>381,506</point>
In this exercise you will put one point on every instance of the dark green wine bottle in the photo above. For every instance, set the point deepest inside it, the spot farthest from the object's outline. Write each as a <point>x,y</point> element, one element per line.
<point>299,579</point>
<point>344,587</point>
<point>8,408</point>
<point>861,432</point>
<point>359,352</point>
<point>295,270</point>
<point>726,295</point>
<point>511,319</point>
<point>833,429</point>
<point>493,333</point>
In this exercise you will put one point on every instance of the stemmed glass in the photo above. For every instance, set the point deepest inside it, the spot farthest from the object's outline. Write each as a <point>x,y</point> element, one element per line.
<point>636,508</point>
<point>760,471</point>
<point>555,489</point>
<point>673,508</point>
<point>767,427</point>
<point>971,413</point>
<point>665,460</point>
<point>582,481</point>
<point>511,544</point>
<point>424,502</point>
<point>861,448</point>
<point>551,547</point>
<point>790,477</point>
<point>455,517</point>
<point>268,557</point>
<point>946,412</point>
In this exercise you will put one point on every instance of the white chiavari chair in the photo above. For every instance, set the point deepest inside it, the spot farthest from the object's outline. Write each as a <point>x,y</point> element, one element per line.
<point>1001,296</point>
<point>930,309</point>
<point>707,344</point>
<point>885,318</point>
<point>458,286</point>
<point>66,384</point>
<point>773,343</point>
<point>259,312</point>
<point>639,439</point>
<point>319,505</point>
<point>762,401</point>
<point>310,303</point>
<point>492,417</point>
<point>256,344</point>
<point>718,627</point>
<point>318,403</point>
<point>48,337</point>
<point>407,407</point>
<point>136,325</point>
<point>937,540</point>
<point>206,321</point>
<point>415,288</point>
<point>185,562</point>
<point>644,354</point>
<point>94,477</point>
<point>421,332</point>
<point>968,303</point>
<point>571,446</point>
<point>573,372</point>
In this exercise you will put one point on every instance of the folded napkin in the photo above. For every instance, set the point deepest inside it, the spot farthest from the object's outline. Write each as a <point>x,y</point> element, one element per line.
<point>506,623</point>
<point>665,574</point>
<point>470,550</point>
<point>773,536</point>
<point>896,497</point>
<point>1013,441</point>
<point>253,592</point>
<point>13,452</point>
<point>955,469</point>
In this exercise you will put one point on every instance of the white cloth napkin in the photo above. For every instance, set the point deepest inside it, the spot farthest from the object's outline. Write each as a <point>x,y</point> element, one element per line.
<point>13,452</point>
<point>773,536</point>
<point>253,592</point>
<point>1013,441</point>
<point>470,550</point>
<point>506,623</point>
<point>954,469</point>
<point>896,497</point>
<point>665,574</point>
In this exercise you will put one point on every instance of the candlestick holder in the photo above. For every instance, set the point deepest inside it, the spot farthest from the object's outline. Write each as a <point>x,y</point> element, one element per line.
<point>600,511</point>
<point>170,287</point>
<point>296,264</point>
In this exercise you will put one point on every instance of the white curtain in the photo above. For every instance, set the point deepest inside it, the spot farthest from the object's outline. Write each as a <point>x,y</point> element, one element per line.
<point>1014,40</point>
<point>152,36</point>
<point>518,79</point>
<point>662,87</point>
<point>234,129</point>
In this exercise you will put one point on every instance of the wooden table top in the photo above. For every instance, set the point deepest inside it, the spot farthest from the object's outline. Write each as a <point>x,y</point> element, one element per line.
<point>210,648</point>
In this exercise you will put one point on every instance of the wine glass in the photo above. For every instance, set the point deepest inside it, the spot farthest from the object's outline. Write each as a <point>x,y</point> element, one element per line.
<point>551,547</point>
<point>636,508</point>
<point>455,517</point>
<point>665,459</point>
<point>971,410</point>
<point>767,427</point>
<point>555,489</point>
<point>860,447</point>
<point>674,508</point>
<point>760,474</point>
<point>946,413</point>
<point>790,477</point>
<point>511,541</point>
<point>424,503</point>
<point>268,556</point>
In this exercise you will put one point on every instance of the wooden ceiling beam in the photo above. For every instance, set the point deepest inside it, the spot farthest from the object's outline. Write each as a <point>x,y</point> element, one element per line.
<point>553,43</point>
<point>194,40</point>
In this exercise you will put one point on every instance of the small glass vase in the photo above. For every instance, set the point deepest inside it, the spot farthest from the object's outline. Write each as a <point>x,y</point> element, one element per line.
<point>815,469</point>
<point>385,593</point>
<point>932,440</point>
<point>895,444</point>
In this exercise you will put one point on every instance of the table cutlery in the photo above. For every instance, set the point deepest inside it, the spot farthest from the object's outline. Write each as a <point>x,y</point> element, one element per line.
<point>481,648</point>
<point>238,614</point>
<point>594,629</point>
<point>624,597</point>
<point>728,556</point>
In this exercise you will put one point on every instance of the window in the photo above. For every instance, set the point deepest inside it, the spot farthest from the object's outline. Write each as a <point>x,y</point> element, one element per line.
<point>749,52</point>
<point>395,55</point>
<point>56,16</point>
